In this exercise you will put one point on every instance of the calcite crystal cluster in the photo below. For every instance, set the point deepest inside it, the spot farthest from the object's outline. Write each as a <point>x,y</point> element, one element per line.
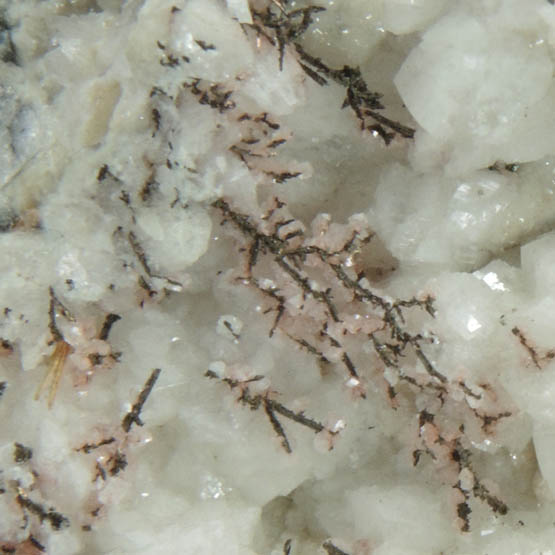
<point>277,277</point>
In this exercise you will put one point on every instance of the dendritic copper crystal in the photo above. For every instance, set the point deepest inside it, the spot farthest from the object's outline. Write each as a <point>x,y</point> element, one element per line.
<point>277,277</point>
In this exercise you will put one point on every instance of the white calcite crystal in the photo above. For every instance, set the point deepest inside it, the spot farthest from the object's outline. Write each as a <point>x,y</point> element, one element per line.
<point>277,277</point>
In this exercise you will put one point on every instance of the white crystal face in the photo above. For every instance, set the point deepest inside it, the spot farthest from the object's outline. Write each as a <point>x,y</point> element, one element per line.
<point>277,277</point>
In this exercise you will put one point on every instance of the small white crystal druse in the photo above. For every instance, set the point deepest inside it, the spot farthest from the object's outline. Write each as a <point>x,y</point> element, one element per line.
<point>277,277</point>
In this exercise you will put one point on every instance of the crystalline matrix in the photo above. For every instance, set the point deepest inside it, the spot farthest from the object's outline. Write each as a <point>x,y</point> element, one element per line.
<point>277,277</point>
